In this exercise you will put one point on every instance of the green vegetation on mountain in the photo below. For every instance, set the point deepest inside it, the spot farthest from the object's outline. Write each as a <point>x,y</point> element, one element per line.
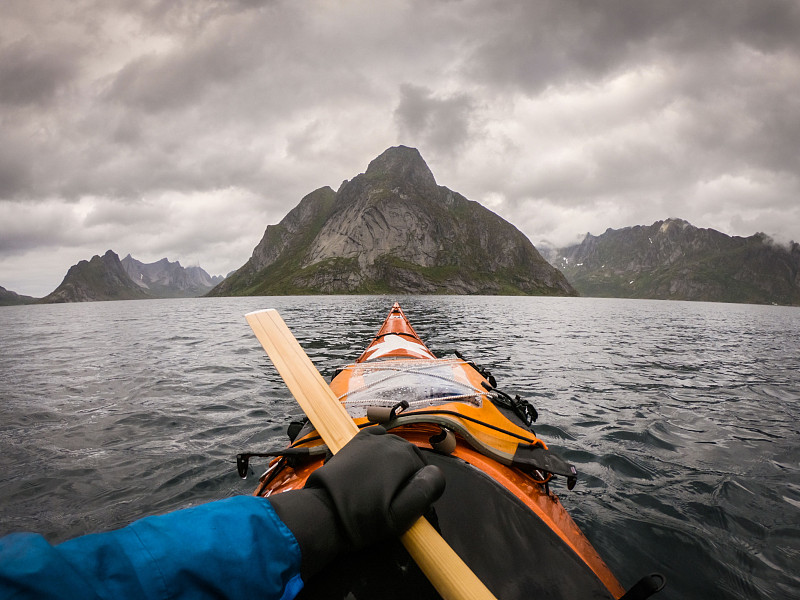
<point>9,298</point>
<point>674,260</point>
<point>101,278</point>
<point>109,278</point>
<point>392,229</point>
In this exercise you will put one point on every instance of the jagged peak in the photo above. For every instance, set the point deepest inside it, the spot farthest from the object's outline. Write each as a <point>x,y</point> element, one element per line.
<point>402,162</point>
<point>309,206</point>
<point>667,223</point>
<point>393,228</point>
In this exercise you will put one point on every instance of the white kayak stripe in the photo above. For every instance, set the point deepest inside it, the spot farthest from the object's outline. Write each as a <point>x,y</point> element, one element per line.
<point>392,342</point>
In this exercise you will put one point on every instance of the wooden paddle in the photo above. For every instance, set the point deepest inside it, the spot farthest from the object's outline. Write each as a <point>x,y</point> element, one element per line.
<point>442,566</point>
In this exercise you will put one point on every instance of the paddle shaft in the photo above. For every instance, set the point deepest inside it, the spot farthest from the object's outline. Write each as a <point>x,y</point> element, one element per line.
<point>441,565</point>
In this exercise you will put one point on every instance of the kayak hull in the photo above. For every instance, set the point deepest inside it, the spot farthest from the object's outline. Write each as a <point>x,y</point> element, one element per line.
<point>490,529</point>
<point>498,513</point>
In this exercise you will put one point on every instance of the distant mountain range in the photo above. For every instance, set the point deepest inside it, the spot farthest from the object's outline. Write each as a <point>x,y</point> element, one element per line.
<point>107,278</point>
<point>673,260</point>
<point>165,279</point>
<point>392,229</point>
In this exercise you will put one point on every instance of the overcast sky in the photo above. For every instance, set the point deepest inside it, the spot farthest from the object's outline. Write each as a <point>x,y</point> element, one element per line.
<point>181,129</point>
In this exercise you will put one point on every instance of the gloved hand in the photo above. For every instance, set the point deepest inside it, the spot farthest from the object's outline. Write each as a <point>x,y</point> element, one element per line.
<point>375,487</point>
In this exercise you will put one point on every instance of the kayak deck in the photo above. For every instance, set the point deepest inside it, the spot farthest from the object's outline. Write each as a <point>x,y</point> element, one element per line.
<point>497,512</point>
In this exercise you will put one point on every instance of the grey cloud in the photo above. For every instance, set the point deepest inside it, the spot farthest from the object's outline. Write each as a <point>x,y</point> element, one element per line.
<point>132,103</point>
<point>15,175</point>
<point>201,112</point>
<point>46,226</point>
<point>180,78</point>
<point>204,104</point>
<point>532,45</point>
<point>192,15</point>
<point>732,72</point>
<point>439,123</point>
<point>127,214</point>
<point>32,73</point>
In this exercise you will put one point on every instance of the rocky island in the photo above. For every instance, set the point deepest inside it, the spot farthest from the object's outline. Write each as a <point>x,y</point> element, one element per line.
<point>392,229</point>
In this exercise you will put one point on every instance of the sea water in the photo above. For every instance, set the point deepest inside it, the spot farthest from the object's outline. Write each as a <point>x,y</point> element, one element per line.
<point>682,418</point>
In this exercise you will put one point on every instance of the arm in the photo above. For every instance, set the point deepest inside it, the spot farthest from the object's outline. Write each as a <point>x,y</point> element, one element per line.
<point>242,547</point>
<point>234,548</point>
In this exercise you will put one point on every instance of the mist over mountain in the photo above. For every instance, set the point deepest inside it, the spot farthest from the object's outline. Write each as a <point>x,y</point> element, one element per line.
<point>392,229</point>
<point>675,260</point>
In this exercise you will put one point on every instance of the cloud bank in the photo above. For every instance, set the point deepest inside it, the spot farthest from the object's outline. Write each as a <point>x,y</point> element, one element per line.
<point>184,128</point>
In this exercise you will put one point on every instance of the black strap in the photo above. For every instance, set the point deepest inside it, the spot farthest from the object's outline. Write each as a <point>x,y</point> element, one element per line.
<point>646,587</point>
<point>411,335</point>
<point>545,460</point>
<point>243,459</point>
<point>523,409</point>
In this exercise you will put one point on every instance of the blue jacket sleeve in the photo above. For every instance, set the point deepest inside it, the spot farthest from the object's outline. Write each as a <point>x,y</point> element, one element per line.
<point>233,548</point>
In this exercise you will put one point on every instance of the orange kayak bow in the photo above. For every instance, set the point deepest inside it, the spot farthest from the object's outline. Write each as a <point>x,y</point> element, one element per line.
<point>498,511</point>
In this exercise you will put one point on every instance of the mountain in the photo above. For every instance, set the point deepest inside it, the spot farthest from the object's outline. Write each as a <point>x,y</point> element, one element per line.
<point>102,278</point>
<point>674,260</point>
<point>109,278</point>
<point>9,298</point>
<point>392,229</point>
<point>165,279</point>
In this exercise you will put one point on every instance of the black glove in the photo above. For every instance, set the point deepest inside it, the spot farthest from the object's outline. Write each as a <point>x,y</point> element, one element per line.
<point>375,487</point>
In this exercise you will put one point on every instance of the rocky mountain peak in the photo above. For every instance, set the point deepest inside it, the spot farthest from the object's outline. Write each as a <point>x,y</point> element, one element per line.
<point>165,279</point>
<point>101,278</point>
<point>674,224</point>
<point>402,164</point>
<point>393,229</point>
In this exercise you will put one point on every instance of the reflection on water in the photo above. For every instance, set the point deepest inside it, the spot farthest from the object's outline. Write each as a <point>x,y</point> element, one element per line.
<point>682,418</point>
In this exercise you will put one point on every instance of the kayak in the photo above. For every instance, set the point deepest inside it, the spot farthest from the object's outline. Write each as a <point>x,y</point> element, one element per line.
<point>499,511</point>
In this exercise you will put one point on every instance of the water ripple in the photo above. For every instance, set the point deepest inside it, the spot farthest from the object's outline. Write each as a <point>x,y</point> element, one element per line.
<point>682,418</point>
